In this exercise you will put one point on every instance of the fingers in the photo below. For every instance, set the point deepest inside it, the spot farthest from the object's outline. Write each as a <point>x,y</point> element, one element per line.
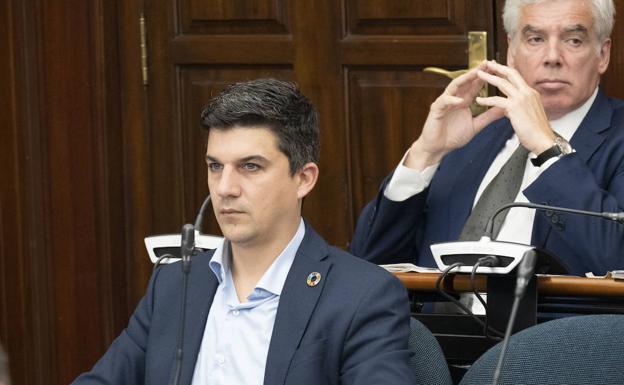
<point>508,73</point>
<point>450,100</point>
<point>501,83</point>
<point>469,81</point>
<point>502,77</point>
<point>444,103</point>
<point>492,101</point>
<point>488,117</point>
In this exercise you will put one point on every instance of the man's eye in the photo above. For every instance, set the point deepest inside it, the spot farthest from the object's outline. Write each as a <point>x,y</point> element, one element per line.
<point>214,166</point>
<point>250,166</point>
<point>575,42</point>
<point>534,40</point>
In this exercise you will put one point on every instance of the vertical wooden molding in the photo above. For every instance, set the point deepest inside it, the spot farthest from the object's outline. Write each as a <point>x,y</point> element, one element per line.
<point>136,151</point>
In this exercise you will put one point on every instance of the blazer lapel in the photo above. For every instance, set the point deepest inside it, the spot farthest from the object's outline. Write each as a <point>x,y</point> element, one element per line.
<point>585,141</point>
<point>296,304</point>
<point>201,290</point>
<point>476,163</point>
<point>588,137</point>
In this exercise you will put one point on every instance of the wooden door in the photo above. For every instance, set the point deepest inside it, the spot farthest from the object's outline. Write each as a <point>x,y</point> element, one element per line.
<point>360,61</point>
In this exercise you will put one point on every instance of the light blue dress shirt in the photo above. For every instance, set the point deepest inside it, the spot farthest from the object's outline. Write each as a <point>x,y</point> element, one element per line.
<point>236,339</point>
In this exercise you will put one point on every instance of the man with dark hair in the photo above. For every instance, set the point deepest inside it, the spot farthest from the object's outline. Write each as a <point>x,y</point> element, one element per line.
<point>274,304</point>
<point>552,138</point>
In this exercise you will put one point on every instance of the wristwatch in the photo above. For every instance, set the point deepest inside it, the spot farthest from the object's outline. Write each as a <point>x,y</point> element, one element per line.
<point>560,147</point>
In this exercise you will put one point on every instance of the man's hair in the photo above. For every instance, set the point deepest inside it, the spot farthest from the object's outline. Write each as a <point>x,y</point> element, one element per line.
<point>274,104</point>
<point>603,13</point>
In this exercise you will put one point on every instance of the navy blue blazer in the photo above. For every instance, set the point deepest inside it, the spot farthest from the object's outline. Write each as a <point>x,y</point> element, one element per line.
<point>352,328</point>
<point>590,179</point>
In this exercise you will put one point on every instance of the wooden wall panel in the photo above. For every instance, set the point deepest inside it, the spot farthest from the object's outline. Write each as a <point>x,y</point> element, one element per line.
<point>381,135</point>
<point>378,17</point>
<point>25,328</point>
<point>64,263</point>
<point>14,298</point>
<point>241,17</point>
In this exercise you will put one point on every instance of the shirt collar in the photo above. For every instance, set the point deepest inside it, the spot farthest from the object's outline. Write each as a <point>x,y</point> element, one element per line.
<point>220,261</point>
<point>567,125</point>
<point>274,278</point>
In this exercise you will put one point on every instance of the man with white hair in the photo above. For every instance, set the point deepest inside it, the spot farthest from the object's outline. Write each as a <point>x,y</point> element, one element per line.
<point>552,138</point>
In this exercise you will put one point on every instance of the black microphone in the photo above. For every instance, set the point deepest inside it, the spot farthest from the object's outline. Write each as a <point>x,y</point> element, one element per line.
<point>526,267</point>
<point>186,251</point>
<point>187,247</point>
<point>524,275</point>
<point>618,217</point>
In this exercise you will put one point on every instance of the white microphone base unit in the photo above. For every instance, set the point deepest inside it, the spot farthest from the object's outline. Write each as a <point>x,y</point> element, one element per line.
<point>468,252</point>
<point>509,254</point>
<point>159,245</point>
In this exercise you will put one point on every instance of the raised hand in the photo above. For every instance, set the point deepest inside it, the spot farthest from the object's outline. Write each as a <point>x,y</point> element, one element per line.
<point>522,105</point>
<point>450,123</point>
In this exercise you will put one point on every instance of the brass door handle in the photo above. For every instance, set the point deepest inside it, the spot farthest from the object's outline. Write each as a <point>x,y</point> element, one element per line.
<point>443,72</point>
<point>477,52</point>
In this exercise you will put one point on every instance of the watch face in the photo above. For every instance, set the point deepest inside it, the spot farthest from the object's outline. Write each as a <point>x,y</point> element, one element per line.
<point>563,145</point>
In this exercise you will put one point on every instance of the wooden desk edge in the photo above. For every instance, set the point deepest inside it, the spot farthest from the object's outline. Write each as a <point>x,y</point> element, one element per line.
<point>546,285</point>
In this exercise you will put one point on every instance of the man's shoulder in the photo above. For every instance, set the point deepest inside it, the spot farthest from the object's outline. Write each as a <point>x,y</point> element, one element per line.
<point>350,267</point>
<point>617,105</point>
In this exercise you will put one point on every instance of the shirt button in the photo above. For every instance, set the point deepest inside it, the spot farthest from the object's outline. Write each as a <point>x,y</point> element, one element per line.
<point>235,312</point>
<point>220,359</point>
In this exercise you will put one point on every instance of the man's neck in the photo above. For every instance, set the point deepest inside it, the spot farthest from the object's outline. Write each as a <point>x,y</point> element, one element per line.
<point>250,261</point>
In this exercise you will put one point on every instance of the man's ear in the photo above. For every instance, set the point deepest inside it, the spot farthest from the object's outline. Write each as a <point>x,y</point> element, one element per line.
<point>307,177</point>
<point>510,59</point>
<point>604,55</point>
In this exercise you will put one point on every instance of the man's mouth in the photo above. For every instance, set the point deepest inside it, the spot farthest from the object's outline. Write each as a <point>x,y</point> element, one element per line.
<point>552,84</point>
<point>229,211</point>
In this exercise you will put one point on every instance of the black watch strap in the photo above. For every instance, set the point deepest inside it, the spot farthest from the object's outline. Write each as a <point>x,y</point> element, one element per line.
<point>544,156</point>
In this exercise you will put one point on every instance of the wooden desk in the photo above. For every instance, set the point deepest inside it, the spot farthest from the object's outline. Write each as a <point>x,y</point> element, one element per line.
<point>462,340</point>
<point>546,285</point>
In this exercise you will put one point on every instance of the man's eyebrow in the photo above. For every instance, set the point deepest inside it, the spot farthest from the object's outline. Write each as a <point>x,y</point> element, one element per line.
<point>250,158</point>
<point>577,28</point>
<point>254,158</point>
<point>573,28</point>
<point>531,29</point>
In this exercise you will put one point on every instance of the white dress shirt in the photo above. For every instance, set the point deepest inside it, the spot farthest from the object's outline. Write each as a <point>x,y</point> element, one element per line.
<point>518,225</point>
<point>237,335</point>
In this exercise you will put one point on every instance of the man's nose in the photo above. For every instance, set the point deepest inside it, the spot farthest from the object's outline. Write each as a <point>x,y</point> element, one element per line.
<point>552,56</point>
<point>228,184</point>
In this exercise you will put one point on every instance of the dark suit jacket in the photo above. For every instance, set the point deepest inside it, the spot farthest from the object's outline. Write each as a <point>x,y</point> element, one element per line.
<point>590,179</point>
<point>352,328</point>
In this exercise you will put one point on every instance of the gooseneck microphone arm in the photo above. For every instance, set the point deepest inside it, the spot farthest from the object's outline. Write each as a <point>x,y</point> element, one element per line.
<point>200,214</point>
<point>187,247</point>
<point>525,273</point>
<point>618,217</point>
